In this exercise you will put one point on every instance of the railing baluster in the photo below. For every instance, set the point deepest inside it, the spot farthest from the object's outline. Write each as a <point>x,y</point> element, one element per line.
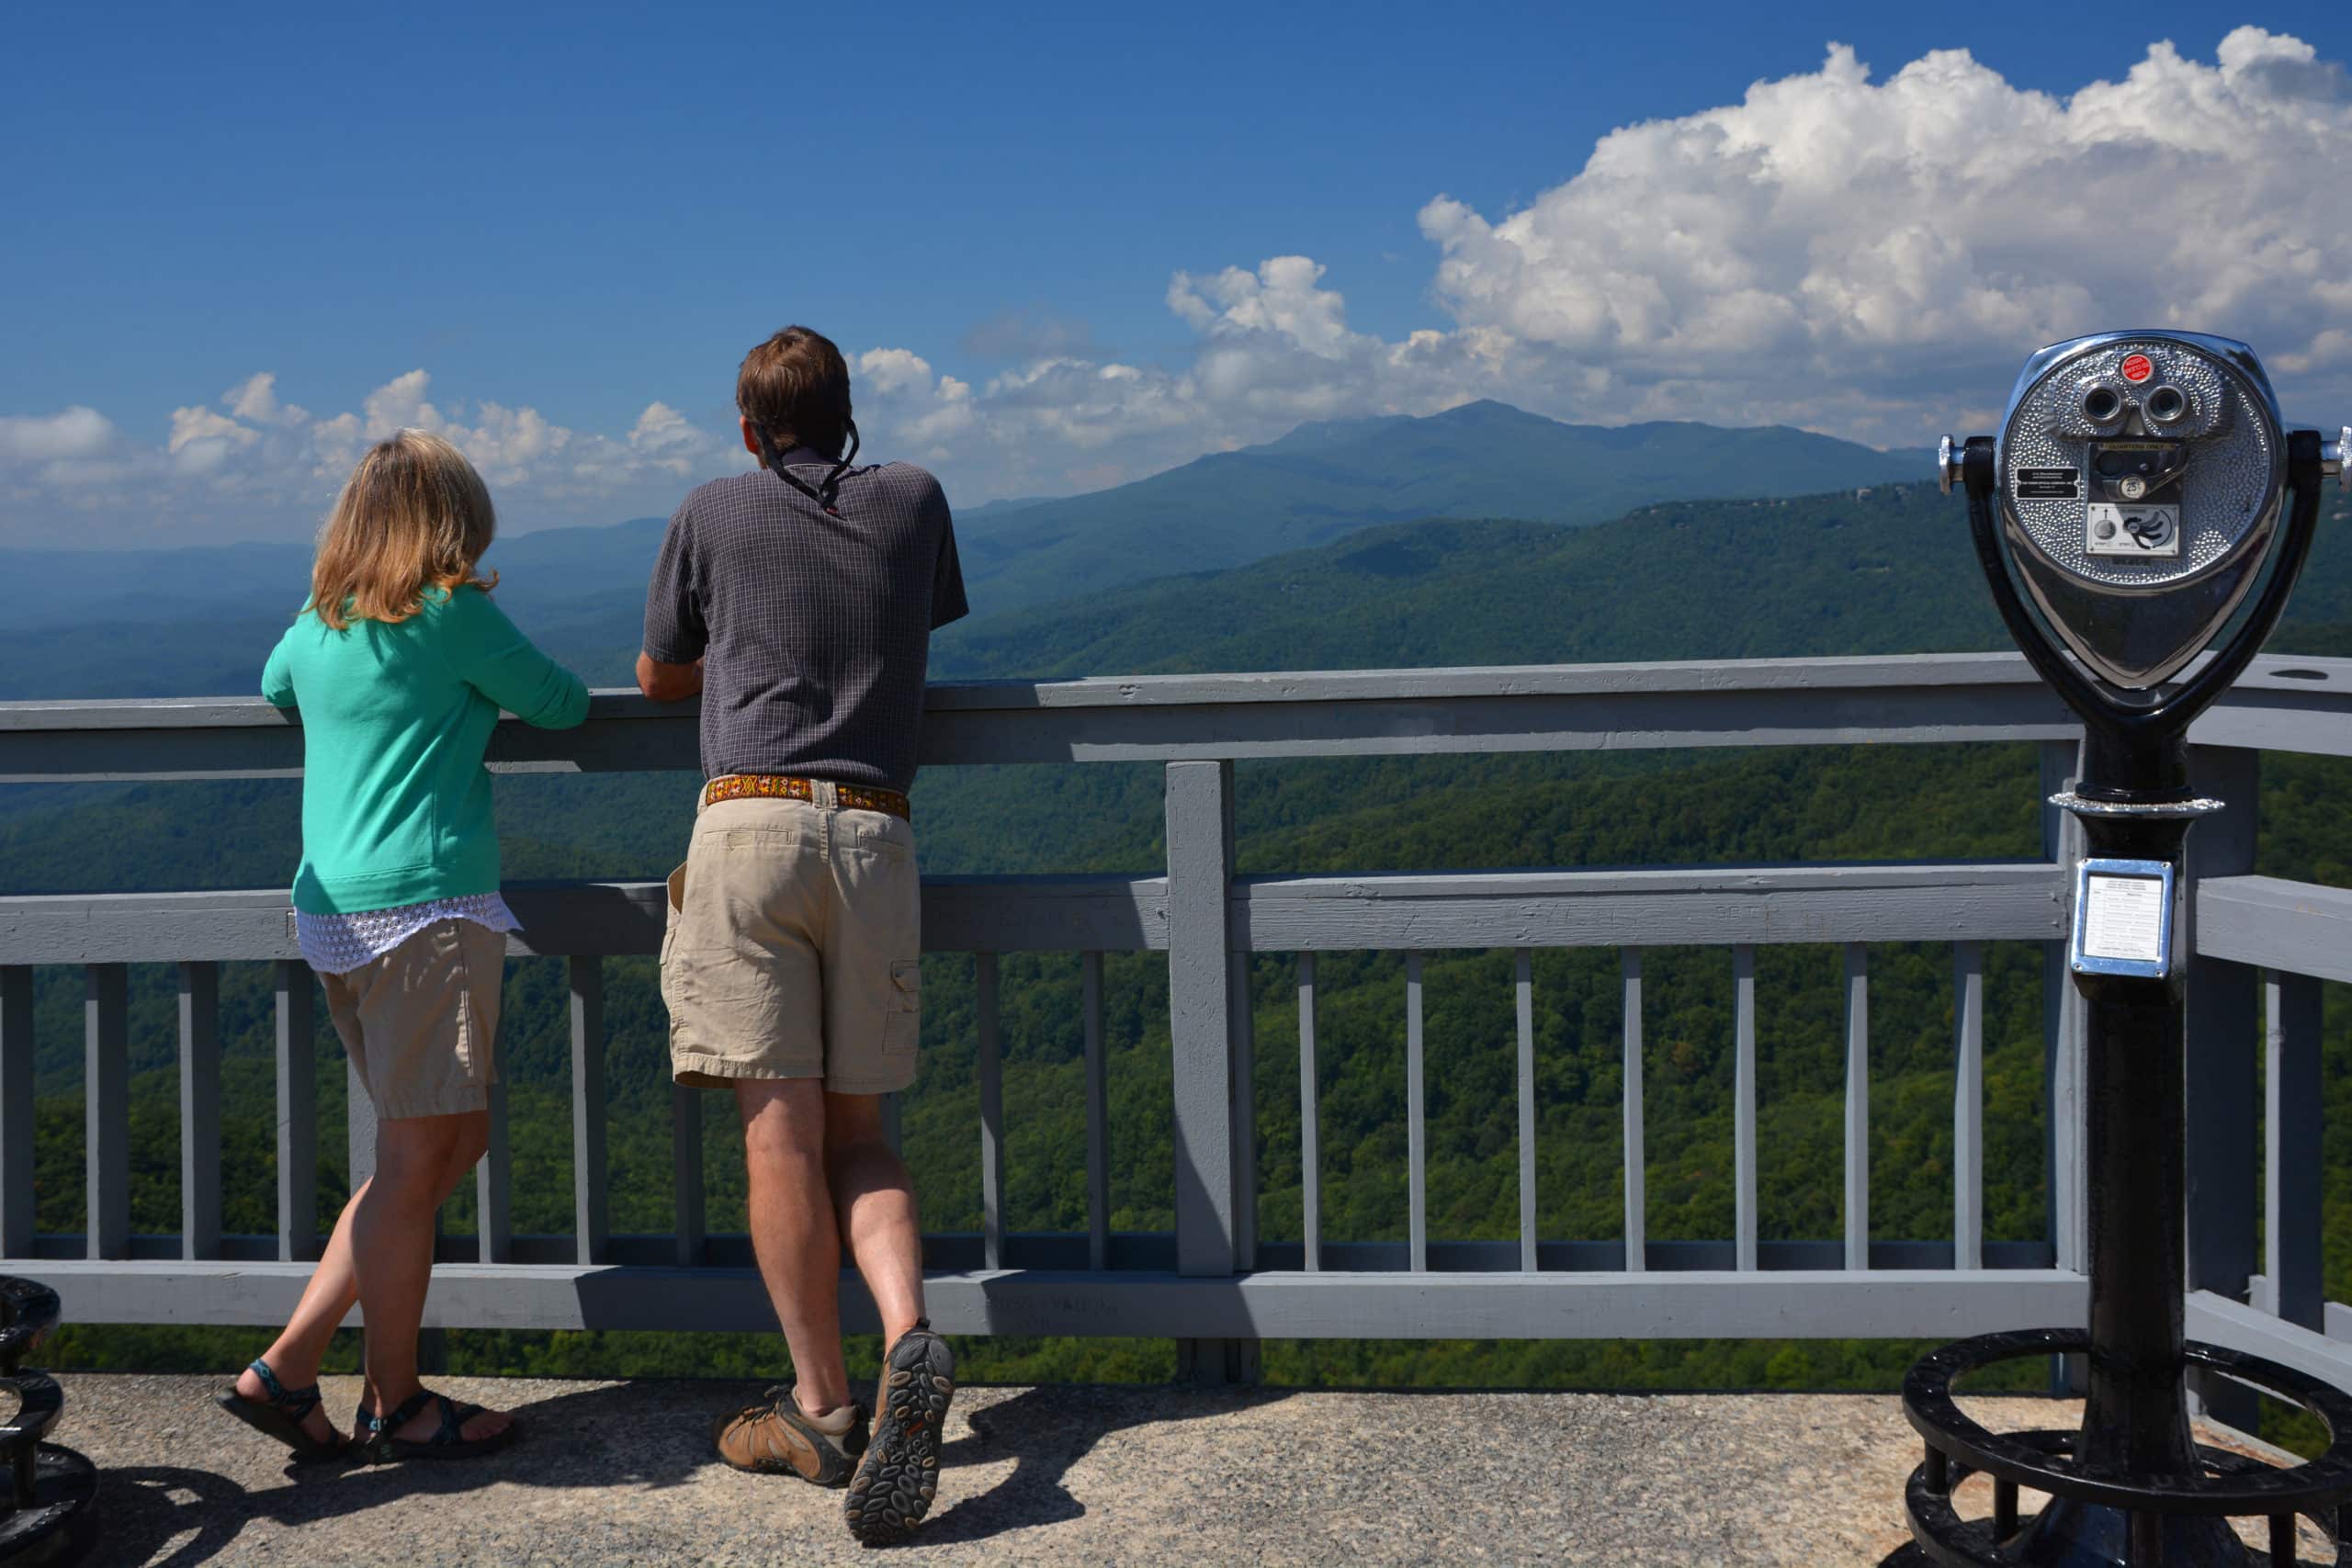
<point>1200,1012</point>
<point>16,1122</point>
<point>1244,1143</point>
<point>992,1075</point>
<point>591,1230</point>
<point>1098,1115</point>
<point>1743,969</point>
<point>1522,965</point>
<point>1636,1169</point>
<point>1416,1130</point>
<point>1858,1106</point>
<point>2292,1159</point>
<point>685,1172</point>
<point>2221,1136</point>
<point>106,1088</point>
<point>298,1115</point>
<point>494,1187</point>
<point>1968,1106</point>
<point>1310,1119</point>
<point>199,1111</point>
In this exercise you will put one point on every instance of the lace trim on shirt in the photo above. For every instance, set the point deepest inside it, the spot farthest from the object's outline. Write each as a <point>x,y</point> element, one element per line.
<point>336,944</point>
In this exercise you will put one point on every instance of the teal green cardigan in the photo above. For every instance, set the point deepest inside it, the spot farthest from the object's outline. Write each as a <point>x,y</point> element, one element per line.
<point>396,806</point>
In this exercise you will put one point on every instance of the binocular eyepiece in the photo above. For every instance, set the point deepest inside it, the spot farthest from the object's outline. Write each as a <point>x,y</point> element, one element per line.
<point>2140,480</point>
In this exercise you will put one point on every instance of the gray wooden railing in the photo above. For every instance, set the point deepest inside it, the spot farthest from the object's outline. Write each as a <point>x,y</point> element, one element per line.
<point>2261,950</point>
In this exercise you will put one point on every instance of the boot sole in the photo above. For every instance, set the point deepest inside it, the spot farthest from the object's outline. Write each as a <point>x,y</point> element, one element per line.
<point>900,1474</point>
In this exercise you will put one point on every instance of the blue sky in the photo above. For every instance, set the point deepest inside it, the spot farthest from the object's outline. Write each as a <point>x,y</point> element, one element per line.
<point>584,213</point>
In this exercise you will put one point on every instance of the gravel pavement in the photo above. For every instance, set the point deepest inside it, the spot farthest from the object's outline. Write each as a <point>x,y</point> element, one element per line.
<point>623,1473</point>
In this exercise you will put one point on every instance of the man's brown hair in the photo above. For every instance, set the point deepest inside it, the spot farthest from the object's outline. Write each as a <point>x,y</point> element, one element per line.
<point>795,389</point>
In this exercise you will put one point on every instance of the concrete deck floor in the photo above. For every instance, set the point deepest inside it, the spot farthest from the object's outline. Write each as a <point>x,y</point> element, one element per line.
<point>624,1474</point>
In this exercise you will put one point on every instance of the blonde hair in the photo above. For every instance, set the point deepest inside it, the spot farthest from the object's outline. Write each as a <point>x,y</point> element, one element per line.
<point>413,515</point>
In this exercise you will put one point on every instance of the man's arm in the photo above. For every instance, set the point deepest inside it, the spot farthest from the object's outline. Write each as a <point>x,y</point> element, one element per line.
<point>668,683</point>
<point>669,666</point>
<point>947,601</point>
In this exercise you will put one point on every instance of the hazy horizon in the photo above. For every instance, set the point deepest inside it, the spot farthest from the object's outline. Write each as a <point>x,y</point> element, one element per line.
<point>508,530</point>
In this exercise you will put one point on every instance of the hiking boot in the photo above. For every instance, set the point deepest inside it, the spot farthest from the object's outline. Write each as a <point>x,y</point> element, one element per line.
<point>899,1473</point>
<point>777,1437</point>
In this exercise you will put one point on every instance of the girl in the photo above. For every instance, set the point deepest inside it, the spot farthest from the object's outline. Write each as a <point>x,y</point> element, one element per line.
<point>400,663</point>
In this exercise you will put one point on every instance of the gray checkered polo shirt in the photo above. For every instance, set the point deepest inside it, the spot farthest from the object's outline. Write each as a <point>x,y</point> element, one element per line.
<point>814,629</point>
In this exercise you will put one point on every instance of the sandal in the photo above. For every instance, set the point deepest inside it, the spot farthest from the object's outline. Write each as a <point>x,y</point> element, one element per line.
<point>281,1416</point>
<point>373,1443</point>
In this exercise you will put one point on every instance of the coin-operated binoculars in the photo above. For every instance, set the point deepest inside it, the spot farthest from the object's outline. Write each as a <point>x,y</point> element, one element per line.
<point>2143,494</point>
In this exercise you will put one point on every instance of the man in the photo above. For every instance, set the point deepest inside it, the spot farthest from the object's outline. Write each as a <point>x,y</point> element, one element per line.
<point>799,599</point>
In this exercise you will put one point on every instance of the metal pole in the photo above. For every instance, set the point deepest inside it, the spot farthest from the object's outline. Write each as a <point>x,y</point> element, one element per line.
<point>2135,1413</point>
<point>2135,807</point>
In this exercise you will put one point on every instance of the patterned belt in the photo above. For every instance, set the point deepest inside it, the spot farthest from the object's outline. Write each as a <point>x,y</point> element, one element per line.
<point>783,786</point>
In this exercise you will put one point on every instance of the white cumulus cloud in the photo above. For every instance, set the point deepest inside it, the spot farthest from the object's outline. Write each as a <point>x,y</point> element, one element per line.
<point>1870,256</point>
<point>1863,253</point>
<point>1867,256</point>
<point>255,457</point>
<point>70,433</point>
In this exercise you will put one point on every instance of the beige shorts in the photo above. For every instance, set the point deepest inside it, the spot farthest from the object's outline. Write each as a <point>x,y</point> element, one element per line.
<point>793,946</point>
<point>421,1020</point>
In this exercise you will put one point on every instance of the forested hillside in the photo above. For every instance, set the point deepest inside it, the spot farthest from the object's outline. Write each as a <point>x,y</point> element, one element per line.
<point>1765,805</point>
<point>1889,570</point>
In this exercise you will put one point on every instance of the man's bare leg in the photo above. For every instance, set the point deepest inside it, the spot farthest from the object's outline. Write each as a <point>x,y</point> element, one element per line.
<point>898,1475</point>
<point>795,1234</point>
<point>875,1203</point>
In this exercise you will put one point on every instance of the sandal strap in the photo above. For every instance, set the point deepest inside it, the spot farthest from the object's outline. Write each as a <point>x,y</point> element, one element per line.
<point>297,1403</point>
<point>380,1425</point>
<point>454,1417</point>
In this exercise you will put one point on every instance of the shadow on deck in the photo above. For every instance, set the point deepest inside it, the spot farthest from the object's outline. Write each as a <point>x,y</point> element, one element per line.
<point>616,1474</point>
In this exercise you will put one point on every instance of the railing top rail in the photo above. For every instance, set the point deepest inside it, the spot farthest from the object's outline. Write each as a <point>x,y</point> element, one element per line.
<point>2325,678</point>
<point>2297,927</point>
<point>2302,704</point>
<point>1681,676</point>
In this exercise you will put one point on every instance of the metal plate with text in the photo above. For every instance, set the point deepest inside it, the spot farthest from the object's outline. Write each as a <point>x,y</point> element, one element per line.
<point>2122,919</point>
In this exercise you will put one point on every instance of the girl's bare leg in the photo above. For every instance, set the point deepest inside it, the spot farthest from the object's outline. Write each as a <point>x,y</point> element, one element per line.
<point>391,1254</point>
<point>328,1299</point>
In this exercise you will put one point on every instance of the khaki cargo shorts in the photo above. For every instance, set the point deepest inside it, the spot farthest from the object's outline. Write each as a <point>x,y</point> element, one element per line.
<point>794,945</point>
<point>420,1022</point>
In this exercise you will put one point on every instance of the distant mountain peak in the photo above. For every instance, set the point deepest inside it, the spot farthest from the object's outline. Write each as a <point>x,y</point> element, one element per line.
<point>1322,434</point>
<point>1488,410</point>
<point>1318,433</point>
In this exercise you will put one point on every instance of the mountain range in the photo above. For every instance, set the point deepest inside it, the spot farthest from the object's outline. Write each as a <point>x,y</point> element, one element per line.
<point>200,620</point>
<point>1482,459</point>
